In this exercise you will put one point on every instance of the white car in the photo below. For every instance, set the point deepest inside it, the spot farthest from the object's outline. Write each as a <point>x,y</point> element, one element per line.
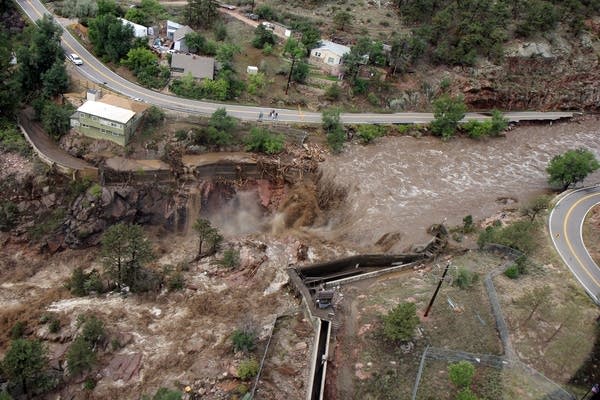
<point>74,58</point>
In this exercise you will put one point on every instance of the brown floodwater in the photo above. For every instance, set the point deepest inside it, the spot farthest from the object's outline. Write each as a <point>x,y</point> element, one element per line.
<point>405,184</point>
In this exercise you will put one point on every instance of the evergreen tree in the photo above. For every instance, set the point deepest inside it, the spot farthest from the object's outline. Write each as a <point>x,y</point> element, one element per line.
<point>201,13</point>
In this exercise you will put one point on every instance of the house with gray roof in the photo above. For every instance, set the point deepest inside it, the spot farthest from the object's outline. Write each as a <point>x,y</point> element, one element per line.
<point>179,38</point>
<point>328,56</point>
<point>200,67</point>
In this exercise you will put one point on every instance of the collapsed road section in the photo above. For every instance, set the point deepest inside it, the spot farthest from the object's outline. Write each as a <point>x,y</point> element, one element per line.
<point>314,284</point>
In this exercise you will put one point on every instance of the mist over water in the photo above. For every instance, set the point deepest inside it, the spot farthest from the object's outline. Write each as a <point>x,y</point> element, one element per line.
<point>240,215</point>
<point>406,184</point>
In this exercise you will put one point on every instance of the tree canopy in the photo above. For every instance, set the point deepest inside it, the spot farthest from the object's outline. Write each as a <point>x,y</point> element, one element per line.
<point>401,321</point>
<point>41,62</point>
<point>26,364</point>
<point>448,111</point>
<point>201,13</point>
<point>125,250</point>
<point>110,38</point>
<point>571,167</point>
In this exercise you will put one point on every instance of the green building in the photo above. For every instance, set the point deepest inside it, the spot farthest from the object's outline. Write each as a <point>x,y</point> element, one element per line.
<point>104,121</point>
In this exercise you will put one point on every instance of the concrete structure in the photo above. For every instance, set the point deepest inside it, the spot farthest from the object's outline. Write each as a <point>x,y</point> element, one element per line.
<point>104,121</point>
<point>179,38</point>
<point>139,31</point>
<point>200,67</point>
<point>328,56</point>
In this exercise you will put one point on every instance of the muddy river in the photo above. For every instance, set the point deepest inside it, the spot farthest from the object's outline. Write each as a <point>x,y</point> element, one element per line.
<point>405,184</point>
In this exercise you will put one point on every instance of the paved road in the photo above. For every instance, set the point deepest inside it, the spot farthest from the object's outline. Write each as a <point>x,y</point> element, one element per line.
<point>45,145</point>
<point>97,72</point>
<point>566,225</point>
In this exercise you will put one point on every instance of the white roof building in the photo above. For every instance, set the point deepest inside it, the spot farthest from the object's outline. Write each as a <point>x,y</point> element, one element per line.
<point>171,28</point>
<point>106,111</point>
<point>335,48</point>
<point>328,56</point>
<point>138,30</point>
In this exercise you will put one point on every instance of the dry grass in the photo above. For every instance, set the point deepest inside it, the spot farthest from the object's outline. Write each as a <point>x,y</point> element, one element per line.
<point>392,372</point>
<point>559,356</point>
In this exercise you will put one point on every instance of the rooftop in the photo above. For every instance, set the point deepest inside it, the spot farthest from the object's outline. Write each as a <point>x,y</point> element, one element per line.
<point>126,22</point>
<point>335,48</point>
<point>106,111</point>
<point>181,32</point>
<point>200,67</point>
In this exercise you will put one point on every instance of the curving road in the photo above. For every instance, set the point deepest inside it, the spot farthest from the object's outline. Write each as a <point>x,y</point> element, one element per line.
<point>566,227</point>
<point>97,72</point>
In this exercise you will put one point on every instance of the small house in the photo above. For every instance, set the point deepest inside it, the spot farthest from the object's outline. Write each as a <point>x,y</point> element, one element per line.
<point>172,28</point>
<point>139,31</point>
<point>328,56</point>
<point>100,120</point>
<point>199,67</point>
<point>179,38</point>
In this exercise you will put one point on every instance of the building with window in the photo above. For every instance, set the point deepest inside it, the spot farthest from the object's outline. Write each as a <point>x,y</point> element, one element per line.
<point>104,121</point>
<point>328,56</point>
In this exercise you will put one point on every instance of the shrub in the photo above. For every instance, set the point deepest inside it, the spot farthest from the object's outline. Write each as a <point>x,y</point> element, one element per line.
<point>181,135</point>
<point>11,140</point>
<point>82,283</point>
<point>154,115</point>
<point>466,394</point>
<point>175,281</point>
<point>267,49</point>
<point>336,139</point>
<point>461,373</point>
<point>492,127</point>
<point>96,190</point>
<point>262,36</point>
<point>401,321</point>
<point>220,31</point>
<point>231,259</point>
<point>93,330</point>
<point>54,326</point>
<point>300,72</point>
<point>267,12</point>
<point>465,278</point>
<point>89,384</point>
<point>519,235</point>
<point>247,369</point>
<point>9,215</point>
<point>447,112</point>
<point>368,133</point>
<point>243,340</point>
<point>468,225</point>
<point>373,99</point>
<point>18,330</point>
<point>261,140</point>
<point>333,92</point>
<point>256,83</point>
<point>167,394</point>
<point>512,272</point>
<point>80,356</point>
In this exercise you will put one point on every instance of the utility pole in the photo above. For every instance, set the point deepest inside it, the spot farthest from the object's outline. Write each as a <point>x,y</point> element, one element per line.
<point>437,289</point>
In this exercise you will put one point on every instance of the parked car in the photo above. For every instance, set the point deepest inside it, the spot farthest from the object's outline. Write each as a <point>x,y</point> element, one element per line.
<point>74,58</point>
<point>253,17</point>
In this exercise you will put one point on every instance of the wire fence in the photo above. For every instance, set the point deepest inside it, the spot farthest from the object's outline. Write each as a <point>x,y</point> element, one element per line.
<point>517,380</point>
